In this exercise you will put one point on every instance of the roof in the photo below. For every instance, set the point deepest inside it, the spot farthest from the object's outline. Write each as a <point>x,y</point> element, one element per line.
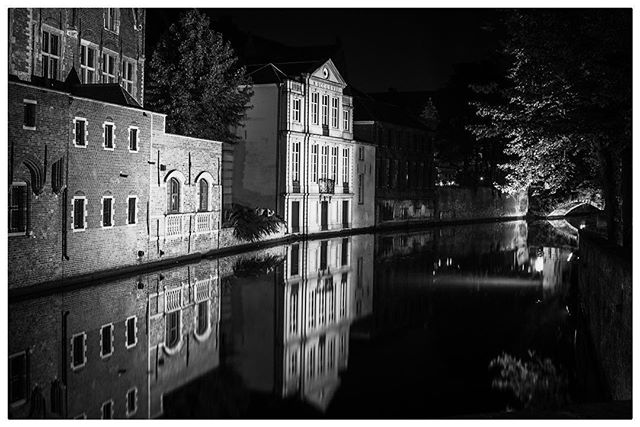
<point>277,72</point>
<point>366,108</point>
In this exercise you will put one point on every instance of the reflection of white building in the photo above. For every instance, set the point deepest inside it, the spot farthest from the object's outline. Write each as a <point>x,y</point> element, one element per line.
<point>324,284</point>
<point>297,155</point>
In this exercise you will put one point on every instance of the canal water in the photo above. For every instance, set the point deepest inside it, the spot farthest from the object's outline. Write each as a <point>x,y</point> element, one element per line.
<point>389,325</point>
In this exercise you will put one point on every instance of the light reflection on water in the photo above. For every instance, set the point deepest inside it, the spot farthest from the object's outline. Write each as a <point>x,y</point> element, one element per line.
<point>398,324</point>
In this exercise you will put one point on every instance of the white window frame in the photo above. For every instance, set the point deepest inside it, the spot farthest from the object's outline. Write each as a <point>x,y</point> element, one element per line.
<point>73,211</point>
<point>137,129</point>
<point>335,110</point>
<point>132,196</point>
<point>86,132</point>
<point>102,409</point>
<point>334,164</point>
<point>116,20</point>
<point>315,107</point>
<point>295,161</point>
<point>325,110</point>
<point>84,351</point>
<point>103,355</point>
<point>46,56</point>
<point>86,68</point>
<point>102,212</point>
<point>128,79</point>
<point>296,103</point>
<point>208,178</point>
<point>346,119</point>
<point>126,402</point>
<point>314,163</point>
<point>324,162</point>
<point>345,165</point>
<point>32,102</point>
<point>113,135</point>
<point>104,76</point>
<point>126,332</point>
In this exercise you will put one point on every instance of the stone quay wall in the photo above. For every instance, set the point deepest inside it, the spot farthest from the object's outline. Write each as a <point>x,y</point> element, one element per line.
<point>466,203</point>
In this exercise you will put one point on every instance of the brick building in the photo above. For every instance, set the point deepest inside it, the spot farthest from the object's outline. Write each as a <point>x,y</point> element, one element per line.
<point>404,159</point>
<point>95,181</point>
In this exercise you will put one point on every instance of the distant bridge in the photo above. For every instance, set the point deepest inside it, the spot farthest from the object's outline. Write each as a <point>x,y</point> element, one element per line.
<point>575,207</point>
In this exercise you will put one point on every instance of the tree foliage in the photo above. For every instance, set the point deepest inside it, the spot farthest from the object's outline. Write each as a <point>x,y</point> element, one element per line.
<point>195,78</point>
<point>253,224</point>
<point>565,110</point>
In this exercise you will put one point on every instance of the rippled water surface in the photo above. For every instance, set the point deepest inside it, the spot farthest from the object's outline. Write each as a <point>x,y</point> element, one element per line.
<point>400,325</point>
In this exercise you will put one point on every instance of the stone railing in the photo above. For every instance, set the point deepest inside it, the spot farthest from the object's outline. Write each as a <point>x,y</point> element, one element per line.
<point>326,186</point>
<point>179,225</point>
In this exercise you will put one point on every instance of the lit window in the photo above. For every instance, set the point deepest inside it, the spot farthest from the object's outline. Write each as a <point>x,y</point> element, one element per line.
<point>80,133</point>
<point>29,114</point>
<point>87,64</point>
<point>346,119</point>
<point>79,213</point>
<point>131,332</point>
<point>133,139</point>
<point>108,68</point>
<point>174,195</point>
<point>18,208</point>
<point>314,163</point>
<point>132,210</point>
<point>108,129</point>
<point>18,385</point>
<point>325,110</point>
<point>296,110</point>
<point>107,211</point>
<point>204,195</point>
<point>128,78</point>
<point>334,112</point>
<point>107,410</point>
<point>111,19</point>
<point>315,97</point>
<point>132,401</point>
<point>50,54</point>
<point>78,350</point>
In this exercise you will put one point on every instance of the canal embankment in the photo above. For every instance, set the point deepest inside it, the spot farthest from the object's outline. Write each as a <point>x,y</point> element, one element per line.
<point>605,295</point>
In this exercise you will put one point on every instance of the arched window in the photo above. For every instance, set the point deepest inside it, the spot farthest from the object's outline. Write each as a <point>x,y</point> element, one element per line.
<point>204,195</point>
<point>174,195</point>
<point>172,336</point>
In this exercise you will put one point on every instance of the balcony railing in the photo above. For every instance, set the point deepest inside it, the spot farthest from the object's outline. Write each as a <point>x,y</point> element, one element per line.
<point>176,225</point>
<point>295,187</point>
<point>326,186</point>
<point>205,222</point>
<point>325,130</point>
<point>183,224</point>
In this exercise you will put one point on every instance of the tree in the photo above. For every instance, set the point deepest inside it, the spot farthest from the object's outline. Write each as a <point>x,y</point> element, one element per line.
<point>566,108</point>
<point>195,78</point>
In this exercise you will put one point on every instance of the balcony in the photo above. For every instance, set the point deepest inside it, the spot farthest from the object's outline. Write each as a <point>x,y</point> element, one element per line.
<point>325,130</point>
<point>205,222</point>
<point>326,186</point>
<point>345,187</point>
<point>180,225</point>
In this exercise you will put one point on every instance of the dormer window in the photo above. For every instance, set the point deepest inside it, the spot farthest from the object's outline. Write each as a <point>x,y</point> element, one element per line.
<point>111,16</point>
<point>50,54</point>
<point>108,68</point>
<point>87,64</point>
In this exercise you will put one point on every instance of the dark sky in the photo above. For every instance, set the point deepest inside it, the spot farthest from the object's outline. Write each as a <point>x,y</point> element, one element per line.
<point>407,49</point>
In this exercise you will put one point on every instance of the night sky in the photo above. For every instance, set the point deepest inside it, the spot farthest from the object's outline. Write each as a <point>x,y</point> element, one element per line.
<point>405,49</point>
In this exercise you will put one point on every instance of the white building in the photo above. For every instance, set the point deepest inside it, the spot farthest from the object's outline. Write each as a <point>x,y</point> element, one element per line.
<point>297,155</point>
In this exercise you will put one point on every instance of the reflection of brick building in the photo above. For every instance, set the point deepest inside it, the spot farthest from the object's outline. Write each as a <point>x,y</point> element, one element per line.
<point>404,159</point>
<point>86,160</point>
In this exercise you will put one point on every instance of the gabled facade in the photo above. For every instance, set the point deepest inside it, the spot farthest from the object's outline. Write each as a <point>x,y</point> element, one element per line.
<point>297,155</point>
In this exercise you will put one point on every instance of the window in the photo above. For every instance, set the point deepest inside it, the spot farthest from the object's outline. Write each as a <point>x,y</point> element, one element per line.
<point>172,336</point>
<point>111,19</point>
<point>128,78</point>
<point>133,139</point>
<point>361,153</point>
<point>29,121</point>
<point>204,195</point>
<point>293,310</point>
<point>79,213</point>
<point>132,210</point>
<point>107,133</point>
<point>360,189</point>
<point>203,317</point>
<point>346,119</point>
<point>80,133</point>
<point>295,259</point>
<point>132,401</point>
<point>78,350</point>
<point>50,54</point>
<point>87,64</point>
<point>325,110</point>
<point>345,167</point>
<point>18,208</point>
<point>106,341</point>
<point>343,295</point>
<point>314,107</point>
<point>107,211</point>
<point>314,163</point>
<point>295,161</point>
<point>131,332</point>
<point>334,163</point>
<point>312,309</point>
<point>332,353</point>
<point>323,255</point>
<point>293,364</point>
<point>108,68</point>
<point>312,362</point>
<point>324,162</point>
<point>296,110</point>
<point>57,175</point>
<point>174,195</point>
<point>107,410</point>
<point>321,356</point>
<point>334,112</point>
<point>345,252</point>
<point>18,385</point>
